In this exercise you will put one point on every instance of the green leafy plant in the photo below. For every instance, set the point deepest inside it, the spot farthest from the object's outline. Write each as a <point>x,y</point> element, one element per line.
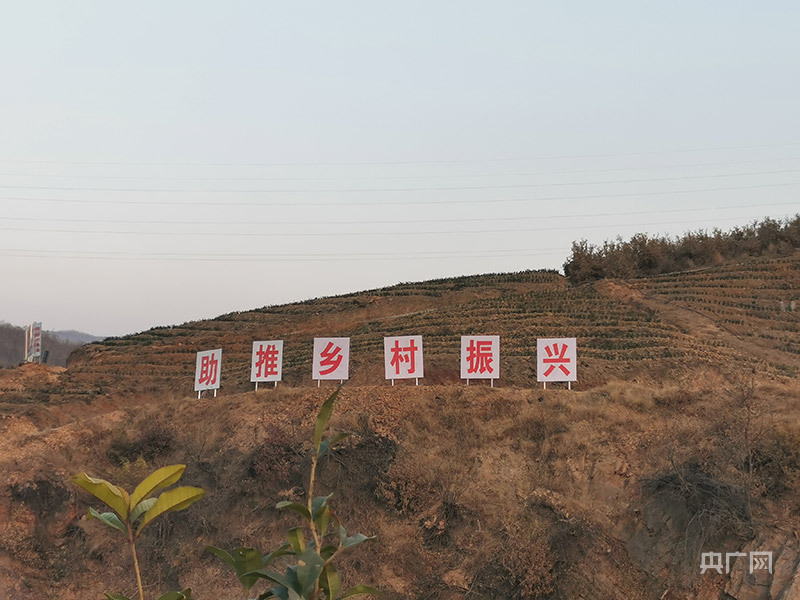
<point>246,560</point>
<point>313,574</point>
<point>131,513</point>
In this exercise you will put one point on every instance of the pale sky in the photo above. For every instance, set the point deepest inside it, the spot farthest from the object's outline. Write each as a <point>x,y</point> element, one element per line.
<point>169,161</point>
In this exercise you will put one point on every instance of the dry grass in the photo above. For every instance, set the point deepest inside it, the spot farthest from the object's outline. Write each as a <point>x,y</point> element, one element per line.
<point>474,492</point>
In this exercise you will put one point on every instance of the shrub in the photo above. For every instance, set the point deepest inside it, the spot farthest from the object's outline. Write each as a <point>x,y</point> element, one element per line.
<point>644,256</point>
<point>154,442</point>
<point>776,461</point>
<point>710,509</point>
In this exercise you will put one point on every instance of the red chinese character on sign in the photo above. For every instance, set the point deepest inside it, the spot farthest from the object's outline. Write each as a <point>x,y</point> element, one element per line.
<point>407,354</point>
<point>209,367</point>
<point>479,356</point>
<point>267,360</point>
<point>330,357</point>
<point>556,357</point>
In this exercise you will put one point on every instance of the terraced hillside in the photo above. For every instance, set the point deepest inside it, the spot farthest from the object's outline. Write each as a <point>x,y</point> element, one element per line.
<point>757,301</point>
<point>650,326</point>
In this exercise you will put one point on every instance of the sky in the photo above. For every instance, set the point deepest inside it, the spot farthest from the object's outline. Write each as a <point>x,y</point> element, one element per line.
<point>162,162</point>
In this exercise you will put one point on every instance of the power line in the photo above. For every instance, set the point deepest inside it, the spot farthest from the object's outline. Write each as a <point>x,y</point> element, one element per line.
<point>396,221</point>
<point>407,162</point>
<point>406,189</point>
<point>348,234</point>
<point>18,253</point>
<point>286,254</point>
<point>402,177</point>
<point>400,202</point>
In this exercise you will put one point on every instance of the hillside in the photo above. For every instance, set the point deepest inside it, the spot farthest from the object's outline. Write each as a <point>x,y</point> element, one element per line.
<point>681,436</point>
<point>727,315</point>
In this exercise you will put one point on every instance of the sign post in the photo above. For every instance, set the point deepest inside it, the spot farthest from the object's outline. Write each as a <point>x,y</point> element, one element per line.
<point>402,358</point>
<point>33,342</point>
<point>267,362</point>
<point>480,357</point>
<point>331,359</point>
<point>557,360</point>
<point>208,370</point>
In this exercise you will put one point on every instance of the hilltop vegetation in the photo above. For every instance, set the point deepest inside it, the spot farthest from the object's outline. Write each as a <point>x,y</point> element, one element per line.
<point>645,256</point>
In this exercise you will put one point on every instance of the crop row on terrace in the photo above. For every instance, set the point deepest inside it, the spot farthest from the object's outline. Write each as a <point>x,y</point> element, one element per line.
<point>754,300</point>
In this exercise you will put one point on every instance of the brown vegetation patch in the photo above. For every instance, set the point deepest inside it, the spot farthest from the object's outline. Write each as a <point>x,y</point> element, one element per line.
<point>152,443</point>
<point>703,511</point>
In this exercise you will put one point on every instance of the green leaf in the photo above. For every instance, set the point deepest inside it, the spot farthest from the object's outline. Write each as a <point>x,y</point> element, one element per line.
<point>360,590</point>
<point>318,503</point>
<point>291,577</point>
<point>321,512</point>
<point>330,582</point>
<point>309,568</point>
<point>297,540</point>
<point>184,595</point>
<point>323,417</point>
<point>327,551</point>
<point>322,520</point>
<point>328,444</point>
<point>272,576</point>
<point>223,555</point>
<point>171,500</point>
<point>141,508</point>
<point>245,561</point>
<point>109,518</point>
<point>355,540</point>
<point>158,479</point>
<point>113,496</point>
<point>111,596</point>
<point>284,550</point>
<point>296,507</point>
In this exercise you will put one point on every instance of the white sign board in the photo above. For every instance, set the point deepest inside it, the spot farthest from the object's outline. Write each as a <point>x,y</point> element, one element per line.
<point>402,357</point>
<point>556,359</point>
<point>331,358</point>
<point>480,357</point>
<point>207,370</point>
<point>34,341</point>
<point>267,361</point>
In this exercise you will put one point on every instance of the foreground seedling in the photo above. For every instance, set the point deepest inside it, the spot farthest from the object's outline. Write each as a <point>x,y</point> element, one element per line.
<point>131,513</point>
<point>312,573</point>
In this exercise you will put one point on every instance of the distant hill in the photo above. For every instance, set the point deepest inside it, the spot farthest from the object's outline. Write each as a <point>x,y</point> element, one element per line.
<point>77,337</point>
<point>58,344</point>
